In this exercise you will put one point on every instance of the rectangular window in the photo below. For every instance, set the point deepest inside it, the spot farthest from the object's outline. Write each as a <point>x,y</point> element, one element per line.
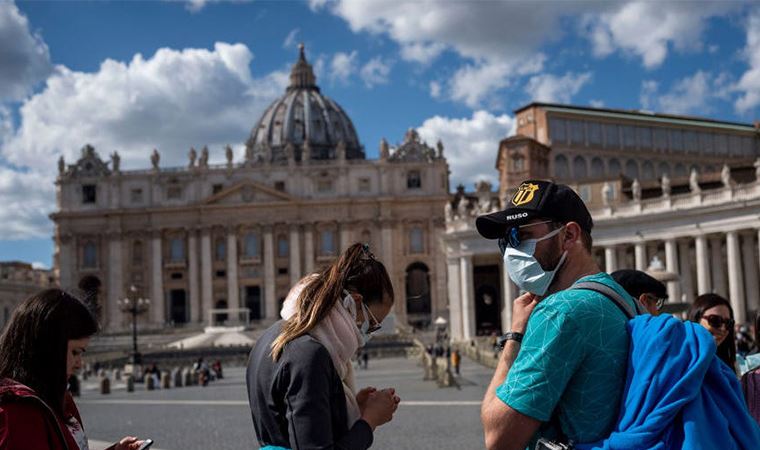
<point>282,247</point>
<point>90,255</point>
<point>279,186</point>
<point>136,196</point>
<point>413,179</point>
<point>251,249</point>
<point>645,137</point>
<point>327,244</point>
<point>176,276</point>
<point>177,250</point>
<point>557,131</point>
<point>217,188</point>
<point>416,243</point>
<point>660,138</point>
<point>629,137</point>
<point>220,250</point>
<point>282,271</point>
<point>611,136</point>
<point>594,134</point>
<point>174,192</point>
<point>364,185</point>
<point>705,142</point>
<point>221,273</point>
<point>89,192</point>
<point>721,143</point>
<point>676,140</point>
<point>690,143</point>
<point>577,132</point>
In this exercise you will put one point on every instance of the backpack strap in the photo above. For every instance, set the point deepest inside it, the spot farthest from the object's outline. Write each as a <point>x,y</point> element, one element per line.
<point>613,295</point>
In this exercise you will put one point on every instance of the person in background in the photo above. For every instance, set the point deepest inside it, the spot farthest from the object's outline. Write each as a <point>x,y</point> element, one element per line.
<point>749,368</point>
<point>41,348</point>
<point>300,378</point>
<point>715,313</point>
<point>650,293</point>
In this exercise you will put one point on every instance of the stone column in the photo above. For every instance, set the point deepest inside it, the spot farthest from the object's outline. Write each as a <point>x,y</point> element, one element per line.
<point>687,284</point>
<point>66,262</point>
<point>704,284</point>
<point>157,298</point>
<point>718,266</point>
<point>671,265</point>
<point>386,257</point>
<point>115,283</point>
<point>233,288</point>
<point>455,299</point>
<point>308,259</point>
<point>509,293</point>
<point>735,278</point>
<point>207,291</point>
<point>751,284</point>
<point>610,259</point>
<point>270,300</point>
<point>196,307</point>
<point>468,297</point>
<point>295,256</point>
<point>641,256</point>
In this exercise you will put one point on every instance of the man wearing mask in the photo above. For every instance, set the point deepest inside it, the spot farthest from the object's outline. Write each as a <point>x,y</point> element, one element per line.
<point>563,367</point>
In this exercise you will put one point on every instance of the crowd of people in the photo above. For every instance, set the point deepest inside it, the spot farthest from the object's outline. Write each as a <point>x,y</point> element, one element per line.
<point>590,361</point>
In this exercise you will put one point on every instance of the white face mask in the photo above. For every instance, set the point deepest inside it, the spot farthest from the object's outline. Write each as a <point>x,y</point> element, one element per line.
<point>350,304</point>
<point>525,270</point>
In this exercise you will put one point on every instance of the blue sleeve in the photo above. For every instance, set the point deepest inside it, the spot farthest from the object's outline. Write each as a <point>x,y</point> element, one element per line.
<point>549,355</point>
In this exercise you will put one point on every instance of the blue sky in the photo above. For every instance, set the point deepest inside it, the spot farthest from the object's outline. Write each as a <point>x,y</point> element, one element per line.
<point>133,76</point>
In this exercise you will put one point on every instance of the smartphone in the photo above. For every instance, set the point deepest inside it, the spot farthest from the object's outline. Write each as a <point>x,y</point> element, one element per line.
<point>146,445</point>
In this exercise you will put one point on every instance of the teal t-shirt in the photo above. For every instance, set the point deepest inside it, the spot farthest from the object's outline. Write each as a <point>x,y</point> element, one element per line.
<point>573,357</point>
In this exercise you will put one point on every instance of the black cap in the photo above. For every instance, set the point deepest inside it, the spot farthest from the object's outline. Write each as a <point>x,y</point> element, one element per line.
<point>536,199</point>
<point>636,282</point>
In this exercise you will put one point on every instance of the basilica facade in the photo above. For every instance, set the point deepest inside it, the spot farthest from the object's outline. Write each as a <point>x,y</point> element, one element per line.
<point>678,192</point>
<point>236,236</point>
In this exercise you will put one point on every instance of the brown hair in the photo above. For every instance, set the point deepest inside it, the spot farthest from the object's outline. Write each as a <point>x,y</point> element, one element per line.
<point>355,270</point>
<point>727,350</point>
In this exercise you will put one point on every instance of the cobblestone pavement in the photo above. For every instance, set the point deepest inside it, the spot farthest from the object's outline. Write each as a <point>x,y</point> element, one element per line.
<point>217,417</point>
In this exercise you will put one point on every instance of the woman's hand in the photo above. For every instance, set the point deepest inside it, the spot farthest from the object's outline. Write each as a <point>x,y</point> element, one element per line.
<point>363,395</point>
<point>379,407</point>
<point>127,443</point>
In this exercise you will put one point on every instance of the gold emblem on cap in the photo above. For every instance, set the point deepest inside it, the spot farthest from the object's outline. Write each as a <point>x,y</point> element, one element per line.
<point>524,194</point>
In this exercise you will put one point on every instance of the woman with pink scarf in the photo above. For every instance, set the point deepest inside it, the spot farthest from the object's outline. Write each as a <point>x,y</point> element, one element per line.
<point>300,378</point>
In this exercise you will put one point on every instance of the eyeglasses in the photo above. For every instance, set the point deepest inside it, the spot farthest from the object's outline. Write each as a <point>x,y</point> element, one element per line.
<point>377,325</point>
<point>659,302</point>
<point>716,321</point>
<point>512,238</point>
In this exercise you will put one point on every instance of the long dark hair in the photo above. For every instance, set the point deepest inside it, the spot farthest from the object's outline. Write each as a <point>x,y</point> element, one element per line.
<point>34,346</point>
<point>727,349</point>
<point>355,270</point>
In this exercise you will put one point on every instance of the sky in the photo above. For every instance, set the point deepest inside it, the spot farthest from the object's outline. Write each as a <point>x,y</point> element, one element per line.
<point>131,76</point>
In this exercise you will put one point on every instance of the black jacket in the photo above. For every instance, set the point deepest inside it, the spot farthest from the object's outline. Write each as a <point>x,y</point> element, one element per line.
<point>298,402</point>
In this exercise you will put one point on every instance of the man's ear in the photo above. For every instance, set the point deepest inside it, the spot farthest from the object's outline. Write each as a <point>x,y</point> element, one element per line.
<point>572,235</point>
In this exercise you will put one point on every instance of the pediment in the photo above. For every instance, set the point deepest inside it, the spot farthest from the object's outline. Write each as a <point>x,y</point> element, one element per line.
<point>248,192</point>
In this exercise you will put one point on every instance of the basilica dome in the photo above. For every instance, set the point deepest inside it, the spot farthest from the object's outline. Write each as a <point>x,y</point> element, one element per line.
<point>303,124</point>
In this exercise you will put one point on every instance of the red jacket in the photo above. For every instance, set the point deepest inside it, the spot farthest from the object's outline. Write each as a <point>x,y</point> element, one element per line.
<point>27,422</point>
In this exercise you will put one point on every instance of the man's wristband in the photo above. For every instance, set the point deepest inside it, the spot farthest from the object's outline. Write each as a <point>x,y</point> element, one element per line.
<point>510,336</point>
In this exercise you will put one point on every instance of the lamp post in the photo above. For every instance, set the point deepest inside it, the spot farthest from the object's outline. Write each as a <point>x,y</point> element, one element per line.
<point>135,305</point>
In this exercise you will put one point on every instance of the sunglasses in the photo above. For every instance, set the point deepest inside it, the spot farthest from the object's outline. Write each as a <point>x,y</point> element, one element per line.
<point>716,321</point>
<point>512,239</point>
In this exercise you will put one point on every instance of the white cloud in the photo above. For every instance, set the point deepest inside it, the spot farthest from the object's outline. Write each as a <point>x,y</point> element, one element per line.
<point>435,89</point>
<point>195,6</point>
<point>170,101</point>
<point>689,95</point>
<point>290,39</point>
<point>376,71</point>
<point>596,103</point>
<point>39,265</point>
<point>24,56</point>
<point>470,144</point>
<point>553,89</point>
<point>343,65</point>
<point>649,29</point>
<point>749,84</point>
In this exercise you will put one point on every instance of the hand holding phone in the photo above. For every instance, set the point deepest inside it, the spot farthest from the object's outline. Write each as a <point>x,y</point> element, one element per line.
<point>146,444</point>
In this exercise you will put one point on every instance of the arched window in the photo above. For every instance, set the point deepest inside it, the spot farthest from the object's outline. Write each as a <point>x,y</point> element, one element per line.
<point>597,168</point>
<point>614,167</point>
<point>647,170</point>
<point>680,170</point>
<point>327,242</point>
<point>580,170</point>
<point>418,301</point>
<point>90,255</point>
<point>251,248</point>
<point>220,249</point>
<point>416,243</point>
<point>282,246</point>
<point>561,167</point>
<point>177,249</point>
<point>631,169</point>
<point>664,169</point>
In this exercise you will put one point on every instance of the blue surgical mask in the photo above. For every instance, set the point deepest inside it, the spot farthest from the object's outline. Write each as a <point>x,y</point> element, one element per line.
<point>350,304</point>
<point>525,270</point>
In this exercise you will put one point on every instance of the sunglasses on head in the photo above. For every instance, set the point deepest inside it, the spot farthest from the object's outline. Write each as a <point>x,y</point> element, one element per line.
<point>512,238</point>
<point>716,321</point>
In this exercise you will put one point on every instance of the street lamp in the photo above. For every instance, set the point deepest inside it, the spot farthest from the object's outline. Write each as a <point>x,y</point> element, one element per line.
<point>134,305</point>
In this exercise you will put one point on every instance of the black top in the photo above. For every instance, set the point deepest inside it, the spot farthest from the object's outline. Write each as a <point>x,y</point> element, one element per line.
<point>298,402</point>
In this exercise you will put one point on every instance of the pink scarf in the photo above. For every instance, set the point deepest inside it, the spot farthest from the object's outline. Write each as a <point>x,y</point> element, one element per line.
<point>339,334</point>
